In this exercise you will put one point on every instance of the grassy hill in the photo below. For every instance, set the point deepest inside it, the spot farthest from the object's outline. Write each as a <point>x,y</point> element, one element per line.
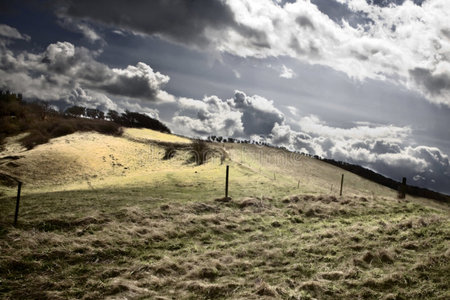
<point>105,216</point>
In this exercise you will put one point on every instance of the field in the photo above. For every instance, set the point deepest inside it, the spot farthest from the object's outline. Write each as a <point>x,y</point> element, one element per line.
<point>107,217</point>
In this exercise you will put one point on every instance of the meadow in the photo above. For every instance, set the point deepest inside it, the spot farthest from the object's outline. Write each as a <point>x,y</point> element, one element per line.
<point>108,217</point>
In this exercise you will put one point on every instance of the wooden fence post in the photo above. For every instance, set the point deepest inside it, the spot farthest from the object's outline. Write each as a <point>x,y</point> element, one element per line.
<point>16,215</point>
<point>226,182</point>
<point>402,189</point>
<point>342,184</point>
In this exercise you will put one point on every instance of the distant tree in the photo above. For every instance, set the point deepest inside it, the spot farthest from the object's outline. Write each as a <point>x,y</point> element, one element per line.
<point>43,122</point>
<point>138,120</point>
<point>43,108</point>
<point>94,113</point>
<point>75,111</point>
<point>113,115</point>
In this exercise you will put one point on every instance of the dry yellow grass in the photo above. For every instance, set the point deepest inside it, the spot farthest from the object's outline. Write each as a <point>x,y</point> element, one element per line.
<point>12,146</point>
<point>84,160</point>
<point>301,247</point>
<point>152,135</point>
<point>108,217</point>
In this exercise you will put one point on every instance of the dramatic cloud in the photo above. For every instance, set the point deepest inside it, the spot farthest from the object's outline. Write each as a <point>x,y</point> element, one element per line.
<point>79,96</point>
<point>187,22</point>
<point>62,67</point>
<point>240,116</point>
<point>91,99</point>
<point>403,41</point>
<point>12,33</point>
<point>208,116</point>
<point>258,114</point>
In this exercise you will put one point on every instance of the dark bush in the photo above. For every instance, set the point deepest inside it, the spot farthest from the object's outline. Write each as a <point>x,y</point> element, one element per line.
<point>106,127</point>
<point>62,129</point>
<point>169,152</point>
<point>200,150</point>
<point>75,111</point>
<point>138,120</point>
<point>35,138</point>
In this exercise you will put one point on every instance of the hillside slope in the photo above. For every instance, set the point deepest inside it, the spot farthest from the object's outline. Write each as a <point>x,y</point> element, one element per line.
<point>105,216</point>
<point>71,161</point>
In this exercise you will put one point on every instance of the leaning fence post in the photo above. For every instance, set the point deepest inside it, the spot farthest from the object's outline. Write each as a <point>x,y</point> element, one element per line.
<point>226,182</point>
<point>402,189</point>
<point>16,215</point>
<point>342,184</point>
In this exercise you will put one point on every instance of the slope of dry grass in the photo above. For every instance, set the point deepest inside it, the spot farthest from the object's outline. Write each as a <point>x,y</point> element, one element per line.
<point>301,247</point>
<point>152,135</point>
<point>137,226</point>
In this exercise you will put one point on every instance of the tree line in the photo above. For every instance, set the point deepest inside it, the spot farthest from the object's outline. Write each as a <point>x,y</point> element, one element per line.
<point>388,182</point>
<point>42,122</point>
<point>126,119</point>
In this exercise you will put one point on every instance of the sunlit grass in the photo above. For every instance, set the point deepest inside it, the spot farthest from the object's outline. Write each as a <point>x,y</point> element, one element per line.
<point>136,226</point>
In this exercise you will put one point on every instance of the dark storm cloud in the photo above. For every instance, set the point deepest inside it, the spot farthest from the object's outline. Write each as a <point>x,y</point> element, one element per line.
<point>178,20</point>
<point>240,116</point>
<point>315,32</point>
<point>259,114</point>
<point>211,115</point>
<point>434,84</point>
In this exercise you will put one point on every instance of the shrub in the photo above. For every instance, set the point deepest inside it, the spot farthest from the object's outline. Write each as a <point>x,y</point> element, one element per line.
<point>62,129</point>
<point>106,127</point>
<point>169,152</point>
<point>200,150</point>
<point>35,138</point>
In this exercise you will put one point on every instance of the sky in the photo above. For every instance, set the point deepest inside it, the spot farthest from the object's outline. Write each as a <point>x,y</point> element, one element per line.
<point>361,81</point>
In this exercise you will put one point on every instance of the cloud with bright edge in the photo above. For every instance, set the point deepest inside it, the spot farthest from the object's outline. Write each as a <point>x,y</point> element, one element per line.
<point>72,74</point>
<point>407,44</point>
<point>12,33</point>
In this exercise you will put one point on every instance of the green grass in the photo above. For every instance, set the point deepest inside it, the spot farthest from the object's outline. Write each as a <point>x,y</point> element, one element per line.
<point>163,235</point>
